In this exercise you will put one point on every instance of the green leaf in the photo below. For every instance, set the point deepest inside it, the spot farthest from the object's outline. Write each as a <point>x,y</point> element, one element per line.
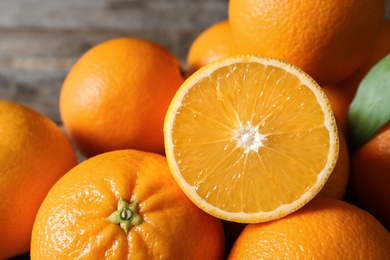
<point>370,109</point>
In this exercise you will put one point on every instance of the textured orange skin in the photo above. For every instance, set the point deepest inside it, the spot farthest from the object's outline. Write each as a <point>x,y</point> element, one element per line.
<point>337,183</point>
<point>72,221</point>
<point>117,94</point>
<point>381,49</point>
<point>327,39</point>
<point>342,93</point>
<point>323,229</point>
<point>34,154</point>
<point>214,43</point>
<point>370,174</point>
<point>340,97</point>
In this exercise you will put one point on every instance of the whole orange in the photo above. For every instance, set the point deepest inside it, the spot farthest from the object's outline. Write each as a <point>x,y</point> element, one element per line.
<point>381,49</point>
<point>370,175</point>
<point>329,39</point>
<point>340,96</point>
<point>342,93</point>
<point>214,43</point>
<point>117,94</point>
<point>34,154</point>
<point>337,183</point>
<point>123,204</point>
<point>323,229</point>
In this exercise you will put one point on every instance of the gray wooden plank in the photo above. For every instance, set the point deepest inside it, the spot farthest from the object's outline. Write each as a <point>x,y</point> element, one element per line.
<point>41,39</point>
<point>108,14</point>
<point>34,63</point>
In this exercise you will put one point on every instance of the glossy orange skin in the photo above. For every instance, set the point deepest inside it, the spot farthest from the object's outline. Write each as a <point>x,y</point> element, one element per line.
<point>323,229</point>
<point>116,96</point>
<point>337,183</point>
<point>329,40</point>
<point>370,175</point>
<point>72,221</point>
<point>381,49</point>
<point>340,97</point>
<point>34,154</point>
<point>215,42</point>
<point>342,93</point>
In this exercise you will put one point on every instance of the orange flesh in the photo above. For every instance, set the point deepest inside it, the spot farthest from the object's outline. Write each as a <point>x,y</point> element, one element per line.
<point>249,131</point>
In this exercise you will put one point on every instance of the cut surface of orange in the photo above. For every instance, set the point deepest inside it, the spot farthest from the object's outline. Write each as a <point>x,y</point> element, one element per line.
<point>250,138</point>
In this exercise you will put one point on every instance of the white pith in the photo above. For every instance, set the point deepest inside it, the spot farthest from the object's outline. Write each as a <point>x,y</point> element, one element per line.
<point>248,137</point>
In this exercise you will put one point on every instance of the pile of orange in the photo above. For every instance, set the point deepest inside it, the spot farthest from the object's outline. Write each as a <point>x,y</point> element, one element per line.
<point>34,154</point>
<point>242,153</point>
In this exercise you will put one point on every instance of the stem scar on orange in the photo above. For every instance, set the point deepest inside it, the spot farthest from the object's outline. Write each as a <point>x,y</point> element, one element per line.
<point>123,205</point>
<point>250,138</point>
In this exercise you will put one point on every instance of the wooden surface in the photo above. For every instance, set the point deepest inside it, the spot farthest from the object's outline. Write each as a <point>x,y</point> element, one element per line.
<point>41,39</point>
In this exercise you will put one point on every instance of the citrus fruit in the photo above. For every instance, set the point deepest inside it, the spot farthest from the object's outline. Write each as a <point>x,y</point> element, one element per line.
<point>214,43</point>
<point>382,46</point>
<point>337,183</point>
<point>34,154</point>
<point>323,229</point>
<point>342,93</point>
<point>340,96</point>
<point>329,40</point>
<point>123,205</point>
<point>370,175</point>
<point>116,96</point>
<point>250,138</point>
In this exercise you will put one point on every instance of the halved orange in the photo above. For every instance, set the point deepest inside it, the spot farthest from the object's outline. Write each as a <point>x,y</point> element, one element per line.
<point>250,138</point>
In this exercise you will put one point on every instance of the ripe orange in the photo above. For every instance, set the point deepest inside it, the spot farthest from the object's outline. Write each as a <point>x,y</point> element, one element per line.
<point>342,93</point>
<point>213,43</point>
<point>370,175</point>
<point>382,46</point>
<point>250,138</point>
<point>323,229</point>
<point>123,205</point>
<point>117,94</point>
<point>337,183</point>
<point>34,154</point>
<point>341,96</point>
<point>329,40</point>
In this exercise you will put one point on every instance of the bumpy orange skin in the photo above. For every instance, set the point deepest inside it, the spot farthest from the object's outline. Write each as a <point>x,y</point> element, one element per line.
<point>370,175</point>
<point>323,229</point>
<point>34,154</point>
<point>72,221</point>
<point>215,42</point>
<point>327,39</point>
<point>117,94</point>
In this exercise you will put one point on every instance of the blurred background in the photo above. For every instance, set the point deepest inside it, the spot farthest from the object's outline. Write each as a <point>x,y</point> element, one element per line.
<point>41,39</point>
